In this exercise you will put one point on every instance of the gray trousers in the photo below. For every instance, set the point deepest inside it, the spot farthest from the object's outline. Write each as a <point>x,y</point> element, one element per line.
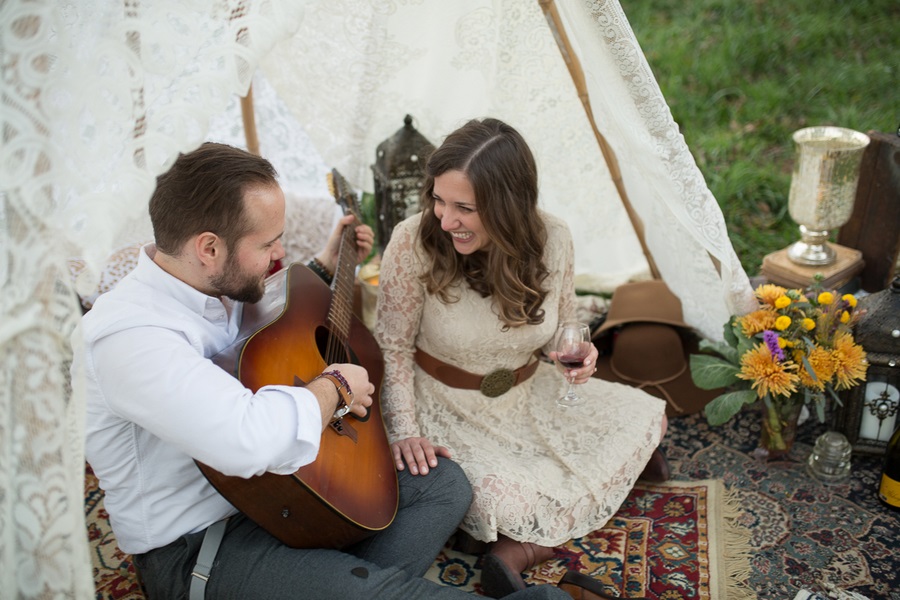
<point>252,564</point>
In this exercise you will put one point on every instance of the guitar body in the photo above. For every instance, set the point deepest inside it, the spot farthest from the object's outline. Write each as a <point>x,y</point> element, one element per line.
<point>350,491</point>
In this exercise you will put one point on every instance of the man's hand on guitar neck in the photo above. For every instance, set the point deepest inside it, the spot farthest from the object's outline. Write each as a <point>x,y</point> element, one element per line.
<point>365,239</point>
<point>340,385</point>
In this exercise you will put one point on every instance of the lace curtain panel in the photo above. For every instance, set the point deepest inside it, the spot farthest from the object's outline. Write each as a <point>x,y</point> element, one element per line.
<point>99,96</point>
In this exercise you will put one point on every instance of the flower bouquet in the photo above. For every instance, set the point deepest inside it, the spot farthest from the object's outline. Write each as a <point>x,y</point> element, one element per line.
<point>794,350</point>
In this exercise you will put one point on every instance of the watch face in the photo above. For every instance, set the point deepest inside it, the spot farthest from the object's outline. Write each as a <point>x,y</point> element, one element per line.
<point>879,412</point>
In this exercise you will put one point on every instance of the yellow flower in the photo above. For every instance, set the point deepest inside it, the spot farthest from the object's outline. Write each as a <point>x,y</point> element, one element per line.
<point>782,322</point>
<point>808,324</point>
<point>825,298</point>
<point>849,299</point>
<point>849,361</point>
<point>845,316</point>
<point>769,293</point>
<point>782,302</point>
<point>782,343</point>
<point>757,322</point>
<point>822,363</point>
<point>768,376</point>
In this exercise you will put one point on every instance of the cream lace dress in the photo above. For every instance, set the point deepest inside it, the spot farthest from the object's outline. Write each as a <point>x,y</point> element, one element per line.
<point>540,473</point>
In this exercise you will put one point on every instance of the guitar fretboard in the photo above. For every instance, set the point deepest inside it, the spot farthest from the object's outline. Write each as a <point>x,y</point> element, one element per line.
<point>340,313</point>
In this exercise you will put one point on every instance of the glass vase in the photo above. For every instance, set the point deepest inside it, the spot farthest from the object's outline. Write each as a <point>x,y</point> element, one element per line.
<point>779,428</point>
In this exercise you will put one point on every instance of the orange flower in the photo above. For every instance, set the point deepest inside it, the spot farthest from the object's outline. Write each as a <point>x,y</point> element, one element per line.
<point>757,321</point>
<point>850,362</point>
<point>768,376</point>
<point>769,293</point>
<point>822,363</point>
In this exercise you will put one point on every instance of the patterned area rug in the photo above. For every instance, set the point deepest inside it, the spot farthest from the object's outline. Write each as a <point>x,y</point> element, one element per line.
<point>804,534</point>
<point>667,542</point>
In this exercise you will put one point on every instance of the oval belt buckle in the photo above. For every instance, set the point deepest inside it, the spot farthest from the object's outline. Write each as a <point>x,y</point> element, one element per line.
<point>498,382</point>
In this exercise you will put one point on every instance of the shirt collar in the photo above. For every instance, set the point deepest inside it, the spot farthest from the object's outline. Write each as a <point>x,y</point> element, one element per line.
<point>196,301</point>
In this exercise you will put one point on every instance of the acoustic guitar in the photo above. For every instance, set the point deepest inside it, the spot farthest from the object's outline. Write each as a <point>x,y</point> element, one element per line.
<point>350,491</point>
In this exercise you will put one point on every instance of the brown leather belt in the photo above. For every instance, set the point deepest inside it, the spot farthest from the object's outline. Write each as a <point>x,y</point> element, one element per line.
<point>494,384</point>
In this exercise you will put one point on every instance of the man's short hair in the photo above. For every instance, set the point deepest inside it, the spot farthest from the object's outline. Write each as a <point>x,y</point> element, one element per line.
<point>204,191</point>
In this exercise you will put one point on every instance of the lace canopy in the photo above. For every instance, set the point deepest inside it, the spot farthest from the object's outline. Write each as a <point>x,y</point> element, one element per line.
<point>99,96</point>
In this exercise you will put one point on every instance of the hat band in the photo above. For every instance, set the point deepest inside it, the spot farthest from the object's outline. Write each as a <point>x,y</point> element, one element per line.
<point>641,384</point>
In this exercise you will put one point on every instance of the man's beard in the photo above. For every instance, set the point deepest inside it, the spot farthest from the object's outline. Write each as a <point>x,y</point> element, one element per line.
<point>237,284</point>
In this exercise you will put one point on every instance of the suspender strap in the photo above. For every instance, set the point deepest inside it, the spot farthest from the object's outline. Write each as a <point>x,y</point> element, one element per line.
<point>205,558</point>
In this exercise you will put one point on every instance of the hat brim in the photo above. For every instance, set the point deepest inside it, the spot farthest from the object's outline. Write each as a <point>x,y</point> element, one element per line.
<point>611,323</point>
<point>645,302</point>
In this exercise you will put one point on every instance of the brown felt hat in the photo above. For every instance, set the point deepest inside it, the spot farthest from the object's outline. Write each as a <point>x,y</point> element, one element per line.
<point>650,350</point>
<point>647,301</point>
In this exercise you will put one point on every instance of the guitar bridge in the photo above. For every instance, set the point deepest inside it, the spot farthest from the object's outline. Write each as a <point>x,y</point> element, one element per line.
<point>343,428</point>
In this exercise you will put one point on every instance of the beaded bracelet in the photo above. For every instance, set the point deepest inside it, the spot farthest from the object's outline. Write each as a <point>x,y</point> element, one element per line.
<point>345,394</point>
<point>316,266</point>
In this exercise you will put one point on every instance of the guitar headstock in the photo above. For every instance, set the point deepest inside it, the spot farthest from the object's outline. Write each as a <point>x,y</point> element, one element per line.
<point>343,194</point>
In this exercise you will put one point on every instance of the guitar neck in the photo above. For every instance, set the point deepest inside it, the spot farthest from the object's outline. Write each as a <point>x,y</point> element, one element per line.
<point>340,313</point>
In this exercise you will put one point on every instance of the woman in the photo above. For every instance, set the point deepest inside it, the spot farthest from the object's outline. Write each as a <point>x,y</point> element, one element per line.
<point>478,282</point>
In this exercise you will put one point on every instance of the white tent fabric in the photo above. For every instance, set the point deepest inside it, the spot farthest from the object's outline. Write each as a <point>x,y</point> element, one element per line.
<point>99,96</point>
<point>354,68</point>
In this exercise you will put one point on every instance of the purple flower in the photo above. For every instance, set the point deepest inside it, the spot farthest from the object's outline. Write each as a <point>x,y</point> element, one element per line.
<point>771,339</point>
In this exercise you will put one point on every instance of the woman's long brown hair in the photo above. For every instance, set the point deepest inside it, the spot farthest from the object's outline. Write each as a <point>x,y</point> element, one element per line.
<point>499,165</point>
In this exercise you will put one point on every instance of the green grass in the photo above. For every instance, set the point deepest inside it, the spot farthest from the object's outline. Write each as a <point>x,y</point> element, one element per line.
<point>741,76</point>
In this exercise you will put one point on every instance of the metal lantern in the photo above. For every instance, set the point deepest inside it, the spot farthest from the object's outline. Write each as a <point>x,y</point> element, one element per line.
<point>869,414</point>
<point>399,171</point>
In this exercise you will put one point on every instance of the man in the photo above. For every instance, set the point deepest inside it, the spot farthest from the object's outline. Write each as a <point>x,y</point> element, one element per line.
<point>156,402</point>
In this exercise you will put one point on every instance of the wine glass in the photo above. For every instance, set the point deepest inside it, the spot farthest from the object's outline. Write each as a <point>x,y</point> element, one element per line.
<point>573,344</point>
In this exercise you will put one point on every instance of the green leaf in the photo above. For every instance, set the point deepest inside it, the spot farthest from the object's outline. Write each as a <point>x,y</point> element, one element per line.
<point>728,352</point>
<point>745,345</point>
<point>711,372</point>
<point>820,411</point>
<point>723,407</point>
<point>730,336</point>
<point>834,395</point>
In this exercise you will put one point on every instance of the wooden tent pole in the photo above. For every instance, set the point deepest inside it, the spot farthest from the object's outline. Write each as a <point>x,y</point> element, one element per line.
<point>562,40</point>
<point>249,122</point>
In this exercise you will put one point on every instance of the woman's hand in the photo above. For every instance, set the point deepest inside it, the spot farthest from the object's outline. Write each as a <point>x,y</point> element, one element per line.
<point>582,373</point>
<point>365,239</point>
<point>418,453</point>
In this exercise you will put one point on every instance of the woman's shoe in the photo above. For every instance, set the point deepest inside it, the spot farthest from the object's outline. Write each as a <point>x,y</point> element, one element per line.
<point>581,587</point>
<point>657,470</point>
<point>502,567</point>
<point>497,579</point>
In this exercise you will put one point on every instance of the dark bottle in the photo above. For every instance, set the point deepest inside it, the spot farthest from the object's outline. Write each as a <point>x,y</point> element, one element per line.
<point>889,491</point>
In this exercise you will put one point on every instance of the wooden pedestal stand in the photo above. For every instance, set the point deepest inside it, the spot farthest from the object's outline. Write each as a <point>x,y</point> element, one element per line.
<point>777,268</point>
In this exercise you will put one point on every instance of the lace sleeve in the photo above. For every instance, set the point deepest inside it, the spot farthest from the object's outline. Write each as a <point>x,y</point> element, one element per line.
<point>561,252</point>
<point>400,300</point>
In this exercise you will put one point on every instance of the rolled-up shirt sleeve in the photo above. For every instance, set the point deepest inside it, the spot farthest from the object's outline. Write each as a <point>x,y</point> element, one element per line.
<point>164,386</point>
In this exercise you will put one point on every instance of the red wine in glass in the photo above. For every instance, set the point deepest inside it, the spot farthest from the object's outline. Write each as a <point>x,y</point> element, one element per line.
<point>571,361</point>
<point>573,345</point>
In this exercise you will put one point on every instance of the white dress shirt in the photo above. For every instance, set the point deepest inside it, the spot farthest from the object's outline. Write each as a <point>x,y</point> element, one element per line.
<point>156,402</point>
